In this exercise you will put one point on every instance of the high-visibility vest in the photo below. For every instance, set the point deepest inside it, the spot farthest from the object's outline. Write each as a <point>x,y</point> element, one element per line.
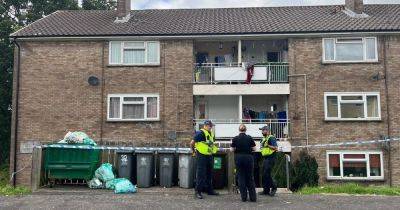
<point>206,147</point>
<point>265,150</point>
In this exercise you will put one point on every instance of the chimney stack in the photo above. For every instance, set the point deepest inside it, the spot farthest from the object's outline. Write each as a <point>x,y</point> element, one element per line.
<point>356,6</point>
<point>123,10</point>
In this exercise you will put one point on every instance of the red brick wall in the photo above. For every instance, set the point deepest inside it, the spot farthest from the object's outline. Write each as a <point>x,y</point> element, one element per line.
<point>306,58</point>
<point>55,96</point>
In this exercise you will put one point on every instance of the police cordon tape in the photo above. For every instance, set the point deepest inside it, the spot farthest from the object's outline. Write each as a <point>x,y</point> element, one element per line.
<point>176,149</point>
<point>348,143</point>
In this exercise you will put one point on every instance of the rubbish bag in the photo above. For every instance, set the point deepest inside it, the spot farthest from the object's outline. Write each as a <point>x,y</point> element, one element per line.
<point>77,138</point>
<point>111,183</point>
<point>104,172</point>
<point>89,141</point>
<point>95,183</point>
<point>124,186</point>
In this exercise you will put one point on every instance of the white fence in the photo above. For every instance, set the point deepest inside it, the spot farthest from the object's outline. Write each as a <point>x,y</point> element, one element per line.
<point>225,129</point>
<point>212,73</point>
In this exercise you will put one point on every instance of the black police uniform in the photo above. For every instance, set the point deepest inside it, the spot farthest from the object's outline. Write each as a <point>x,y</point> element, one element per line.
<point>269,185</point>
<point>204,168</point>
<point>244,162</point>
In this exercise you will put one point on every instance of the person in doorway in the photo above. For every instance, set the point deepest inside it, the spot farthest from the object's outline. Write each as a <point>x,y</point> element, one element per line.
<point>243,146</point>
<point>203,147</point>
<point>269,148</point>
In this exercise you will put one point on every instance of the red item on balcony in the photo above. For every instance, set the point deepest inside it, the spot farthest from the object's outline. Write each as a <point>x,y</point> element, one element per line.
<point>250,73</point>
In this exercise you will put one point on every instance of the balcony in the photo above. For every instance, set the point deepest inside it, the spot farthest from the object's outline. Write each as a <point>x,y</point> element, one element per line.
<point>227,112</point>
<point>234,73</point>
<point>227,129</point>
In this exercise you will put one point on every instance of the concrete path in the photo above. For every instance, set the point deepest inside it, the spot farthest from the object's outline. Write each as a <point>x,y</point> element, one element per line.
<point>176,198</point>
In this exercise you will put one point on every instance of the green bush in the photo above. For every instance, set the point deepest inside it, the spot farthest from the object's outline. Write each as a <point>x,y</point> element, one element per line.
<point>4,175</point>
<point>304,172</point>
<point>5,188</point>
<point>279,170</point>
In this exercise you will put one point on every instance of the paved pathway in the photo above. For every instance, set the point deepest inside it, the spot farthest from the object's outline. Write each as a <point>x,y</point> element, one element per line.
<point>183,199</point>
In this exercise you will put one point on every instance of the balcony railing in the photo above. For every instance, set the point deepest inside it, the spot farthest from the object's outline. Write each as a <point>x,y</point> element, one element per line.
<point>226,129</point>
<point>234,73</point>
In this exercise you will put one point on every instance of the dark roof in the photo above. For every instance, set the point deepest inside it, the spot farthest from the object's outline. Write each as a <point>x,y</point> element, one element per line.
<point>262,20</point>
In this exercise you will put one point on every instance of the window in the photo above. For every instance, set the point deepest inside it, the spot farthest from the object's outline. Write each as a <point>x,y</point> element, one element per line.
<point>352,106</point>
<point>354,165</point>
<point>350,49</point>
<point>133,107</point>
<point>134,53</point>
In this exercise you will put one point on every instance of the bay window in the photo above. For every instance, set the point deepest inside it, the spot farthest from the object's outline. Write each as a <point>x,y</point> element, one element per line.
<point>362,165</point>
<point>362,49</point>
<point>134,53</point>
<point>133,107</point>
<point>352,106</point>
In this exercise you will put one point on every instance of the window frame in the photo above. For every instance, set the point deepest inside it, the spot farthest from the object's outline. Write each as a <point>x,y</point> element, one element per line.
<point>340,101</point>
<point>123,47</point>
<point>335,41</point>
<point>122,102</point>
<point>341,153</point>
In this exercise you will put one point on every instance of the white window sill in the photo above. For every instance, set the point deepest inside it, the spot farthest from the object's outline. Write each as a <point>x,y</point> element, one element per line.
<point>355,178</point>
<point>141,120</point>
<point>353,119</point>
<point>133,65</point>
<point>351,62</point>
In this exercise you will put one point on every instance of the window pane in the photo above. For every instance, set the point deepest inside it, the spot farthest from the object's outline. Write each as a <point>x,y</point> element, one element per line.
<point>332,106</point>
<point>354,169</point>
<point>349,52</point>
<point>352,110</point>
<point>133,98</point>
<point>334,165</point>
<point>134,45</point>
<point>133,111</point>
<point>371,47</point>
<point>152,107</point>
<point>114,111</point>
<point>352,98</point>
<point>152,52</point>
<point>329,49</point>
<point>134,56</point>
<point>354,156</point>
<point>372,106</point>
<point>375,164</point>
<point>115,52</point>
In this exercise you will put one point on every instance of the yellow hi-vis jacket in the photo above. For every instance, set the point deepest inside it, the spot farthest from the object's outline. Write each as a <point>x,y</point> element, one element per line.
<point>207,147</point>
<point>265,150</point>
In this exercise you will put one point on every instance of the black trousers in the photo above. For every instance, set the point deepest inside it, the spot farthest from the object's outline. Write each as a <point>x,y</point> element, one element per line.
<point>204,171</point>
<point>267,181</point>
<point>245,174</point>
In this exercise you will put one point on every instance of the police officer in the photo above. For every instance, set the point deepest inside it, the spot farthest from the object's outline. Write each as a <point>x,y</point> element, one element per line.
<point>243,146</point>
<point>268,151</point>
<point>204,147</point>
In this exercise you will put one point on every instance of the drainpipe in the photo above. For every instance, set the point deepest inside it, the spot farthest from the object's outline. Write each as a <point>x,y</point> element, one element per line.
<point>305,102</point>
<point>14,148</point>
<point>387,110</point>
<point>102,94</point>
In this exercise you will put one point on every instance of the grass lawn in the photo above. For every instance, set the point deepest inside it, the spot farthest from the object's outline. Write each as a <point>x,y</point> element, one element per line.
<point>5,188</point>
<point>351,188</point>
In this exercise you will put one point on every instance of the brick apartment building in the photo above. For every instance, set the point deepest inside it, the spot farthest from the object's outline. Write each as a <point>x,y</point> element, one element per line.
<point>322,74</point>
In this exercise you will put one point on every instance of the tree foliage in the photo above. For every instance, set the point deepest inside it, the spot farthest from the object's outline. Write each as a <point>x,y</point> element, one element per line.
<point>14,14</point>
<point>99,4</point>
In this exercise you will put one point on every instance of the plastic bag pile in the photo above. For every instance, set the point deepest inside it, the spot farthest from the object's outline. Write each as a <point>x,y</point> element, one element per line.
<point>77,137</point>
<point>104,178</point>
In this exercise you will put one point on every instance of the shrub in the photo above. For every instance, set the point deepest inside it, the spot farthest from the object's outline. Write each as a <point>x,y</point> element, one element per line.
<point>304,172</point>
